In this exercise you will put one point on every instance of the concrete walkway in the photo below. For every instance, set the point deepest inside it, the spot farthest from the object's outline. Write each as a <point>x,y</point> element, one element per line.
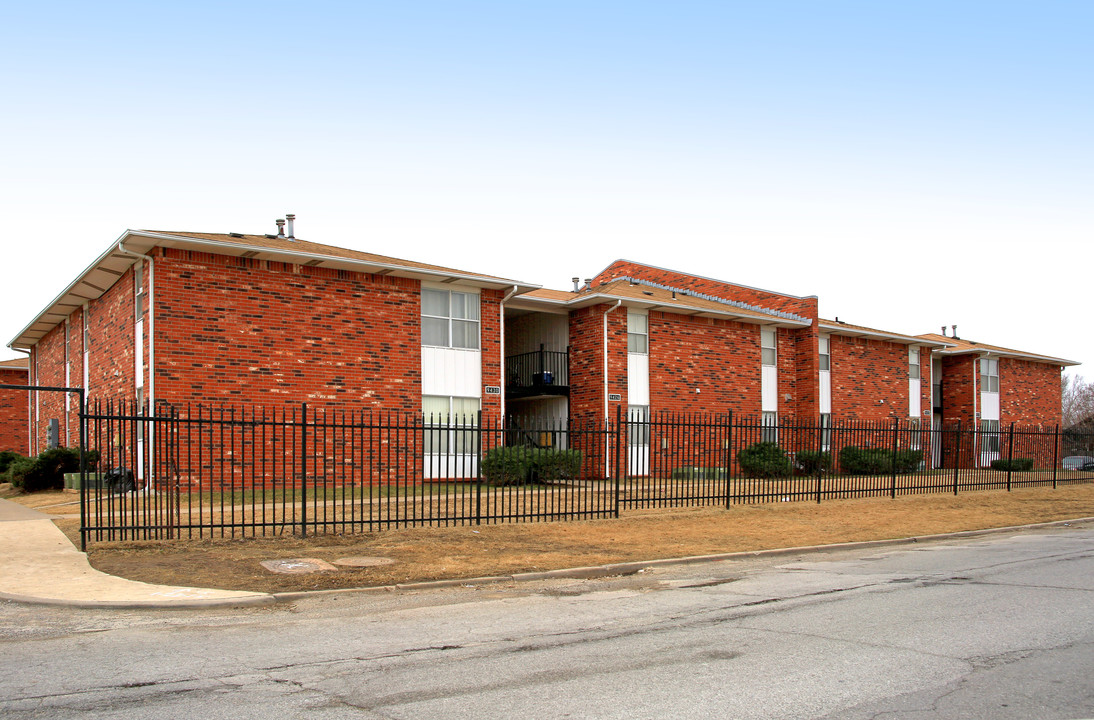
<point>39,564</point>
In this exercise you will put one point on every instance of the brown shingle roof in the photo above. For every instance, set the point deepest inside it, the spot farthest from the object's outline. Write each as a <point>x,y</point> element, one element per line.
<point>20,363</point>
<point>961,346</point>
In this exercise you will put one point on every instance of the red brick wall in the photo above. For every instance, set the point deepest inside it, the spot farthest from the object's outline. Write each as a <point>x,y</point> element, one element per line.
<point>13,412</point>
<point>959,381</point>
<point>1029,392</point>
<point>490,329</point>
<point>263,332</point>
<point>869,379</point>
<point>721,358</point>
<point>806,307</point>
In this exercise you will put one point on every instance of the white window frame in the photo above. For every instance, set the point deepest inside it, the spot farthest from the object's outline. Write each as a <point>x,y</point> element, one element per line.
<point>769,422</point>
<point>638,333</point>
<point>989,375</point>
<point>915,370</point>
<point>451,319</point>
<point>824,363</point>
<point>769,351</point>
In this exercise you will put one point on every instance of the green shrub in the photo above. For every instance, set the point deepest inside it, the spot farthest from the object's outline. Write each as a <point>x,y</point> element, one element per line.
<point>699,473</point>
<point>813,462</point>
<point>878,461</point>
<point>7,457</point>
<point>519,465</point>
<point>1013,465</point>
<point>45,472</point>
<point>505,466</point>
<point>764,460</point>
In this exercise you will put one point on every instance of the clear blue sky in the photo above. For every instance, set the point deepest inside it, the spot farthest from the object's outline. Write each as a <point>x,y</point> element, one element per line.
<point>912,163</point>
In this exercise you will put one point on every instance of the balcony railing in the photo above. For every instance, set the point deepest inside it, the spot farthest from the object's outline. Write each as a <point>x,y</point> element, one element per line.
<point>541,372</point>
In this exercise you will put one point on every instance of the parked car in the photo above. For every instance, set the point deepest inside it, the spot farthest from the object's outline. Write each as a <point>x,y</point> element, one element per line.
<point>1078,462</point>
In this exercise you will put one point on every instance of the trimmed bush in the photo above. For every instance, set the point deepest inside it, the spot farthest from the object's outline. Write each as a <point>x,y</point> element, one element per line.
<point>45,472</point>
<point>7,457</point>
<point>1013,465</point>
<point>764,460</point>
<point>878,461</point>
<point>813,462</point>
<point>699,473</point>
<point>519,465</point>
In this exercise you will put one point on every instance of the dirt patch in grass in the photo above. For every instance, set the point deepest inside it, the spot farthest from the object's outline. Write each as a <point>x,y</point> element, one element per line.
<point>475,551</point>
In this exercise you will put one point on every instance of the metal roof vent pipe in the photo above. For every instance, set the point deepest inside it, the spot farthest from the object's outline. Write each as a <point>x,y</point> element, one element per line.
<point>944,331</point>
<point>290,217</point>
<point>577,284</point>
<point>588,283</point>
<point>954,327</point>
<point>280,227</point>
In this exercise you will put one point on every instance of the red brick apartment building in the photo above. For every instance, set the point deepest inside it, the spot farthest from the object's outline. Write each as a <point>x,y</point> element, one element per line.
<point>183,317</point>
<point>14,407</point>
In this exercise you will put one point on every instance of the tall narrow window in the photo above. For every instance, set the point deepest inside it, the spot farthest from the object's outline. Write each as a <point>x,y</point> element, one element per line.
<point>638,334</point>
<point>770,422</point>
<point>989,436</point>
<point>638,427</point>
<point>447,424</point>
<point>825,353</point>
<point>450,319</point>
<point>913,363</point>
<point>989,375</point>
<point>767,347</point>
<point>826,430</point>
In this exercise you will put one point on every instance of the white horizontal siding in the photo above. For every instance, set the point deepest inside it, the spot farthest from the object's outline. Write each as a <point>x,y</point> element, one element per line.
<point>451,372</point>
<point>638,379</point>
<point>825,392</point>
<point>989,406</point>
<point>769,388</point>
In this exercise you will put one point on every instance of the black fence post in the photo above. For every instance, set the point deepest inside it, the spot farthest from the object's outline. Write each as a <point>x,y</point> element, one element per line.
<point>303,470</point>
<point>619,435</point>
<point>1010,454</point>
<point>956,454</point>
<point>1055,454</point>
<point>892,460</point>
<point>729,458</point>
<point>83,470</point>
<point>820,459</point>
<point>478,471</point>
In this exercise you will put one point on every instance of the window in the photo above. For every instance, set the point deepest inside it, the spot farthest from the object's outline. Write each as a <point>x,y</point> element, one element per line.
<point>913,363</point>
<point>825,354</point>
<point>770,423</point>
<point>989,375</point>
<point>444,417</point>
<point>826,430</point>
<point>638,334</point>
<point>915,433</point>
<point>767,347</point>
<point>638,429</point>
<point>989,436</point>
<point>450,319</point>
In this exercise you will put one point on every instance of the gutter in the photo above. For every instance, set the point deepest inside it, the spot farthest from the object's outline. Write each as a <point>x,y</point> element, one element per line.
<point>151,398</point>
<point>501,343</point>
<point>605,318</point>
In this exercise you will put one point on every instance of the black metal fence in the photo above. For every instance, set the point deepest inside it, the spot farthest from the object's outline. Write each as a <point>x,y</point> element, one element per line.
<point>222,471</point>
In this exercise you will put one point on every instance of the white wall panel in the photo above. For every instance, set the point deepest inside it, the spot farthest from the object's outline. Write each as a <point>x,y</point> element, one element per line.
<point>447,371</point>
<point>915,394</point>
<point>525,333</point>
<point>638,379</point>
<point>769,388</point>
<point>989,406</point>
<point>825,391</point>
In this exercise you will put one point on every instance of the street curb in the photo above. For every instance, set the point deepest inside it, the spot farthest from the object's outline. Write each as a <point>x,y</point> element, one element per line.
<point>257,600</point>
<point>630,568</point>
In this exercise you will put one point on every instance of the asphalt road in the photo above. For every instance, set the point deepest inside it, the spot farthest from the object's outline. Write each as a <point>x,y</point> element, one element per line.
<point>999,627</point>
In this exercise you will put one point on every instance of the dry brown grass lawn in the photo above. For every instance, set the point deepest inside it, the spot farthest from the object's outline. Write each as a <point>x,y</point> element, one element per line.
<point>474,551</point>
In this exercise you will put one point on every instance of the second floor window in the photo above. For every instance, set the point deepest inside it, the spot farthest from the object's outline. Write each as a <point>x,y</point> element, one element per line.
<point>450,319</point>
<point>638,335</point>
<point>767,347</point>
<point>913,363</point>
<point>825,353</point>
<point>989,375</point>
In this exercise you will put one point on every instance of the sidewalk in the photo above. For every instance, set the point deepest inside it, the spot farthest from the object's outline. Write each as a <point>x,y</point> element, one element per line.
<point>38,564</point>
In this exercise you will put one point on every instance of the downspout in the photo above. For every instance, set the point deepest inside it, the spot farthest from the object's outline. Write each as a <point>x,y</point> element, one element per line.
<point>501,310</point>
<point>151,322</point>
<point>151,354</point>
<point>30,404</point>
<point>613,307</point>
<point>608,455</point>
